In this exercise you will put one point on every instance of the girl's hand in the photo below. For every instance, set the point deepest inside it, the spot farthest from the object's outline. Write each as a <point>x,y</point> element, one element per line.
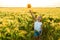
<point>30,11</point>
<point>32,14</point>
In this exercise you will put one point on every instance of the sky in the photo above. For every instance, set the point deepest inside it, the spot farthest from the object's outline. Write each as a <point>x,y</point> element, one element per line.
<point>34,3</point>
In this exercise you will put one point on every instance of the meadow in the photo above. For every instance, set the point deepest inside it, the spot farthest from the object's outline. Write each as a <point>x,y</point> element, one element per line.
<point>17,23</point>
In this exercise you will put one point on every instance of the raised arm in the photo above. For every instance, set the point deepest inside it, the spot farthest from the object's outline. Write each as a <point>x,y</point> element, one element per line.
<point>32,14</point>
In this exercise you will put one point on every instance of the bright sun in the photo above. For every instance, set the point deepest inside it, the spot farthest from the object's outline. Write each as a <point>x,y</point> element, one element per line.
<point>34,3</point>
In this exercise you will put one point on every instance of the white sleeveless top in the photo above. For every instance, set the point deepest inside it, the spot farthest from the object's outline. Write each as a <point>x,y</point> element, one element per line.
<point>37,26</point>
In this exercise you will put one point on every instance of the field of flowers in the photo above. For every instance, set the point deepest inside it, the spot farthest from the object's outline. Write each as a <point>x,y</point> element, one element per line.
<point>17,23</point>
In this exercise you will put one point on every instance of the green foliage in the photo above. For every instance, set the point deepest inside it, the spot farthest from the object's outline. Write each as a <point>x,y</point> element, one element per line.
<point>18,26</point>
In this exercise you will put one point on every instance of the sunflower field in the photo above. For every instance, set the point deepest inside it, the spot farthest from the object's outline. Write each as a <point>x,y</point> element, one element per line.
<point>17,23</point>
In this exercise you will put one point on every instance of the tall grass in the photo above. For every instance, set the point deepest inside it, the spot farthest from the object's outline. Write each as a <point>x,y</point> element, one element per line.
<point>19,26</point>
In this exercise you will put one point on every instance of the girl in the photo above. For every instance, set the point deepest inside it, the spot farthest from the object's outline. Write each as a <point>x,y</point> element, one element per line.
<point>37,26</point>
